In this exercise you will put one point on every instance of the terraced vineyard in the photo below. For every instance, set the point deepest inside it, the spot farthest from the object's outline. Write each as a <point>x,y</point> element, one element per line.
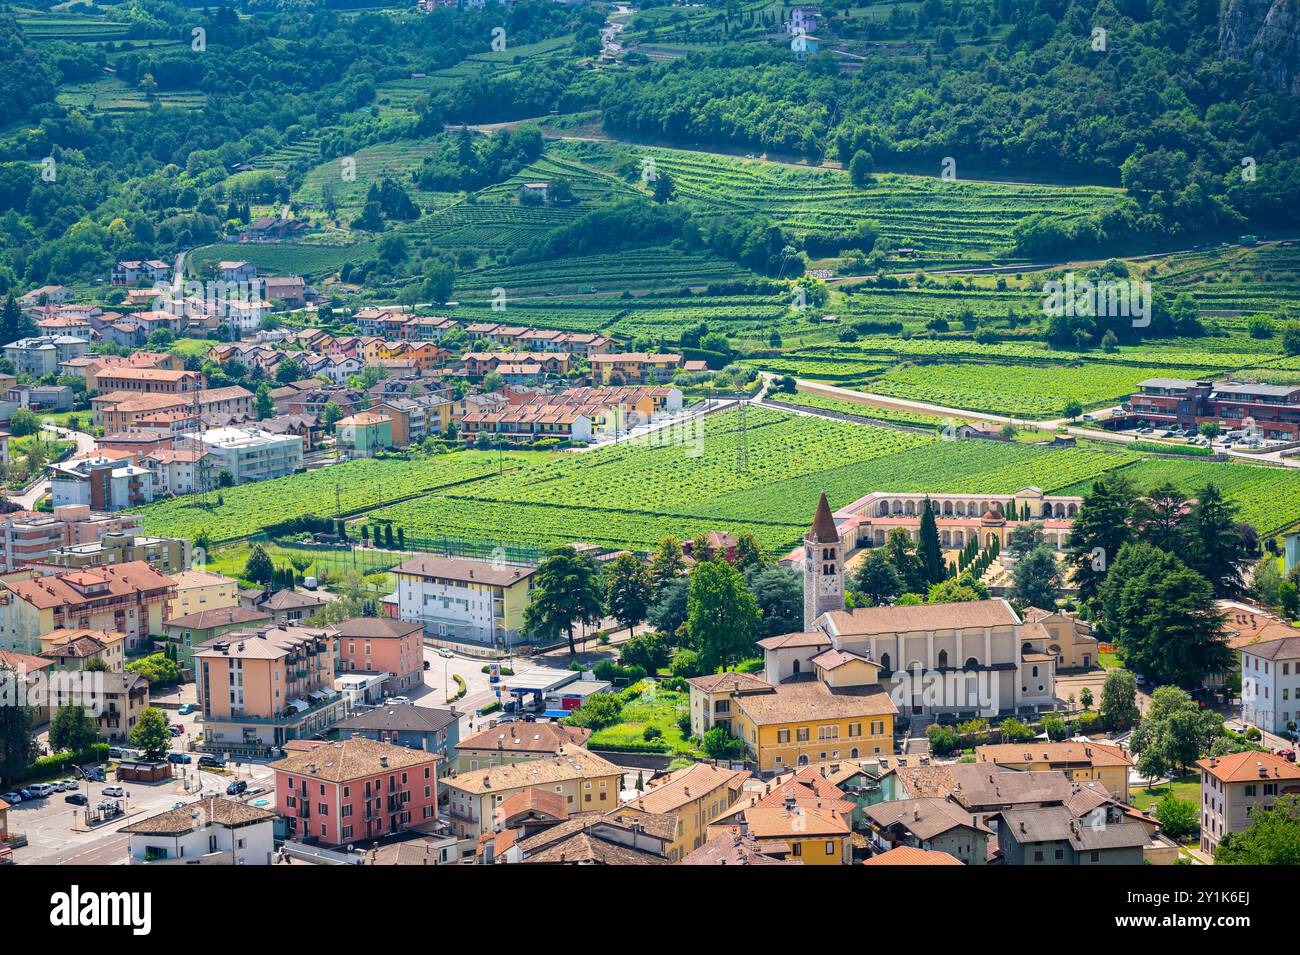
<point>488,225</point>
<point>309,260</point>
<point>393,160</point>
<point>958,219</point>
<point>751,317</point>
<point>657,267</point>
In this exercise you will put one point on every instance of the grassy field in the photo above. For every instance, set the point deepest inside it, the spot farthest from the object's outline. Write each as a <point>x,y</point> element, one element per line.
<point>655,707</point>
<point>1184,787</point>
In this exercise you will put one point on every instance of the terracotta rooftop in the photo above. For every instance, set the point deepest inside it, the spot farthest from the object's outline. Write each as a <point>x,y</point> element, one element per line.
<point>212,811</point>
<point>907,855</point>
<point>352,758</point>
<point>1248,767</point>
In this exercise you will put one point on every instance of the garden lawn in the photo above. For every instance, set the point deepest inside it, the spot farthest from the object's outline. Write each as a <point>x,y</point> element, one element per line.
<point>1184,787</point>
<point>654,707</point>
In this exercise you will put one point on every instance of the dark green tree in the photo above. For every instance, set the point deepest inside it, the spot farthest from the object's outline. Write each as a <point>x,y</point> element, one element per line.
<point>928,551</point>
<point>1101,528</point>
<point>722,615</point>
<point>566,592</point>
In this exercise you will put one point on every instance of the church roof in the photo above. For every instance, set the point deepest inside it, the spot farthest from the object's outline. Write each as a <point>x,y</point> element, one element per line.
<point>823,526</point>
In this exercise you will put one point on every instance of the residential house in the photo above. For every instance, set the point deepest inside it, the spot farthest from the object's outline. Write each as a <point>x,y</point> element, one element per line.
<point>907,855</point>
<point>634,368</point>
<point>189,630</point>
<point>616,837</point>
<point>1103,762</point>
<point>727,848</point>
<point>33,674</point>
<point>508,743</point>
<point>364,433</point>
<point>405,724</point>
<point>694,796</point>
<point>1054,836</point>
<point>100,482</point>
<point>1235,786</point>
<point>586,781</point>
<point>78,649</point>
<point>1270,681</point>
<point>118,698</point>
<point>211,831</point>
<point>250,454</point>
<point>199,590</point>
<point>288,607</point>
<point>38,357</point>
<point>930,823</point>
<point>711,699</point>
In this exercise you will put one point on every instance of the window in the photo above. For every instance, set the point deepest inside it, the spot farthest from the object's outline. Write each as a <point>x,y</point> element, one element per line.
<point>1038,855</point>
<point>1096,857</point>
<point>830,848</point>
<point>855,730</point>
<point>828,731</point>
<point>783,736</point>
<point>796,849</point>
<point>802,734</point>
<point>1060,853</point>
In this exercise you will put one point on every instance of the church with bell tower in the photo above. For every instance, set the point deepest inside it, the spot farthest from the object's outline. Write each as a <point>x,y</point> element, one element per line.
<point>823,567</point>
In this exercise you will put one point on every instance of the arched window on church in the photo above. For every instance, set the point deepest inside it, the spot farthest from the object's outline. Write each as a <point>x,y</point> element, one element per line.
<point>943,658</point>
<point>884,662</point>
<point>972,663</point>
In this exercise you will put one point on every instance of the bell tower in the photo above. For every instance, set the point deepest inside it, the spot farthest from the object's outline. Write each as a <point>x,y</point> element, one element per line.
<point>823,567</point>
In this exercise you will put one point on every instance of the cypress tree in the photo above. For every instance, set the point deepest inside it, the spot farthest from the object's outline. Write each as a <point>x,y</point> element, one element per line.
<point>927,548</point>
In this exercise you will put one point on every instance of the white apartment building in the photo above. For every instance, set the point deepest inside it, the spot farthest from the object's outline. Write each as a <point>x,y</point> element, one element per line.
<point>1270,684</point>
<point>249,454</point>
<point>466,600</point>
<point>100,483</point>
<point>41,356</point>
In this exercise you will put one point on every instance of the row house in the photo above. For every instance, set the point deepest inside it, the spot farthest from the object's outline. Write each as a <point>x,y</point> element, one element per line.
<point>120,410</point>
<point>529,423</point>
<point>41,356</point>
<point>478,364</point>
<point>389,322</point>
<point>634,368</point>
<point>27,537</point>
<point>129,598</point>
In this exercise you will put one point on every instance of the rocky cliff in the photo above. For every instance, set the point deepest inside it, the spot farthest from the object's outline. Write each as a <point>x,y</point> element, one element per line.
<point>1265,34</point>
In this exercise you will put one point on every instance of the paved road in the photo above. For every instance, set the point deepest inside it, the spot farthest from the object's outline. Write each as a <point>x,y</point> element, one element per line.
<point>32,496</point>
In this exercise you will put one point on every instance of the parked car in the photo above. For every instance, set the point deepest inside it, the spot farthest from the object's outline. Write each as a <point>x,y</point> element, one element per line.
<point>186,709</point>
<point>176,729</point>
<point>237,787</point>
<point>445,653</point>
<point>40,790</point>
<point>114,752</point>
<point>77,799</point>
<point>114,791</point>
<point>12,798</point>
<point>213,762</point>
<point>26,794</point>
<point>184,758</point>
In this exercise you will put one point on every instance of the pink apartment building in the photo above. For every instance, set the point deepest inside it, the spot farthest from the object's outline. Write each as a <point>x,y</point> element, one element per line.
<point>355,789</point>
<point>382,645</point>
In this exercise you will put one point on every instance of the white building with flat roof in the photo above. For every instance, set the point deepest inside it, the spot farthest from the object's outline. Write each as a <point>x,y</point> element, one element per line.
<point>249,454</point>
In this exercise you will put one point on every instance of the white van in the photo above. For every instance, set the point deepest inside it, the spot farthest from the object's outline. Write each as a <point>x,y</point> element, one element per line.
<point>40,790</point>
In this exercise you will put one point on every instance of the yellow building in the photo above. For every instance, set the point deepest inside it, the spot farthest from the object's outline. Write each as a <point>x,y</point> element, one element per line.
<point>634,368</point>
<point>1082,762</point>
<point>1063,636</point>
<point>695,796</point>
<point>199,590</point>
<point>816,833</point>
<point>587,783</point>
<point>713,699</point>
<point>794,724</point>
<point>77,649</point>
